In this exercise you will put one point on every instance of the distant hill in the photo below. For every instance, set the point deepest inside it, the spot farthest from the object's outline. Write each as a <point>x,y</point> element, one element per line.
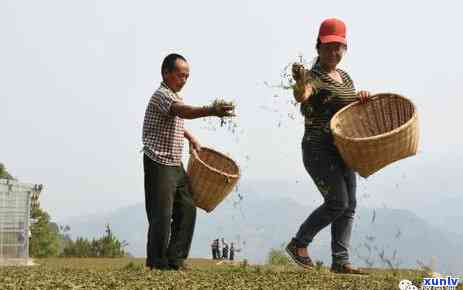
<point>260,222</point>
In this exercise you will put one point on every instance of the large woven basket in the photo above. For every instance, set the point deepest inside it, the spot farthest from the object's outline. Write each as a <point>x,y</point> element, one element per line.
<point>212,176</point>
<point>370,136</point>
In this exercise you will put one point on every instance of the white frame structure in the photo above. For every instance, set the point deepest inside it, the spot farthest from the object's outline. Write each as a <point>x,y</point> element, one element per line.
<point>15,209</point>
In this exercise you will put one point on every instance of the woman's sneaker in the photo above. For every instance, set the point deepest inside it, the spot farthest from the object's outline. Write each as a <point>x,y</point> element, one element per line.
<point>302,261</point>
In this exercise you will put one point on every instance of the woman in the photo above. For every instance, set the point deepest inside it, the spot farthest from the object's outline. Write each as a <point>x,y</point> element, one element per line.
<point>322,91</point>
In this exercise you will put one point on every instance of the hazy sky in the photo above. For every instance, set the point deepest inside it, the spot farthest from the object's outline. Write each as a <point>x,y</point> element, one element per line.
<point>77,75</point>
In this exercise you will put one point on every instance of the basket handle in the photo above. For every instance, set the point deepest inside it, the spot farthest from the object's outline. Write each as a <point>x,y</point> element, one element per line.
<point>381,95</point>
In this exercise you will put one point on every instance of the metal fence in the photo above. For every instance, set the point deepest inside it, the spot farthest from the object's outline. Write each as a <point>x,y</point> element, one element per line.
<point>15,206</point>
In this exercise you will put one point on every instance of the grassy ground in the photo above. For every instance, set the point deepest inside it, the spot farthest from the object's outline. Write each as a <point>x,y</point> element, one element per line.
<point>129,273</point>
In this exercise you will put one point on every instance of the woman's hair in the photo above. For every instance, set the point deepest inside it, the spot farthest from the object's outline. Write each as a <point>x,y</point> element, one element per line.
<point>316,60</point>
<point>318,43</point>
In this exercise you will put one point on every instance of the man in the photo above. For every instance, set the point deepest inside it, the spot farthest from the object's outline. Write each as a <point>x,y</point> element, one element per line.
<point>215,249</point>
<point>219,255</point>
<point>232,251</point>
<point>22,240</point>
<point>169,207</point>
<point>224,250</point>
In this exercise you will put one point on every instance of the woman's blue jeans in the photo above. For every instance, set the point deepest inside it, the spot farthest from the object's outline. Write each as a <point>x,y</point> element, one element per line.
<point>337,184</point>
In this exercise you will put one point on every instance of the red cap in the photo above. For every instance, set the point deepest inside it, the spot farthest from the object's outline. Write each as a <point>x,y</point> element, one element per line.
<point>332,30</point>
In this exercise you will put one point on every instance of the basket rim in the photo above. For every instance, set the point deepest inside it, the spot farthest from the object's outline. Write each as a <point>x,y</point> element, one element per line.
<point>392,132</point>
<point>195,155</point>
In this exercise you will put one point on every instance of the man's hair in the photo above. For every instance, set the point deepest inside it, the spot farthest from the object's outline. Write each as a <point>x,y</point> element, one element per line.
<point>168,64</point>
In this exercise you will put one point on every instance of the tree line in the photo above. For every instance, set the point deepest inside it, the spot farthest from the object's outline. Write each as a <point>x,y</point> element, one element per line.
<point>51,240</point>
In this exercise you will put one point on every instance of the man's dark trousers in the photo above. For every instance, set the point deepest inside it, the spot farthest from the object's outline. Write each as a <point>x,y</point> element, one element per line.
<point>171,214</point>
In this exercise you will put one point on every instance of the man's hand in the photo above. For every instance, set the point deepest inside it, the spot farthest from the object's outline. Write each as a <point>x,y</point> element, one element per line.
<point>221,109</point>
<point>195,145</point>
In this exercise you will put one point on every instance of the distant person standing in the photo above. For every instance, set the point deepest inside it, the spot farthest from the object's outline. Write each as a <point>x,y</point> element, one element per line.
<point>224,250</point>
<point>219,255</point>
<point>232,252</point>
<point>170,210</point>
<point>215,249</point>
<point>22,237</point>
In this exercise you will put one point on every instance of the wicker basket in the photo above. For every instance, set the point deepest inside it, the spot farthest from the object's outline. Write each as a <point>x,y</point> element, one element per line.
<point>372,135</point>
<point>212,176</point>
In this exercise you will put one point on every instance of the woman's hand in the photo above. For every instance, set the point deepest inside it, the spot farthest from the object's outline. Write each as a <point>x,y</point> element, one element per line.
<point>301,89</point>
<point>363,96</point>
<point>298,71</point>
